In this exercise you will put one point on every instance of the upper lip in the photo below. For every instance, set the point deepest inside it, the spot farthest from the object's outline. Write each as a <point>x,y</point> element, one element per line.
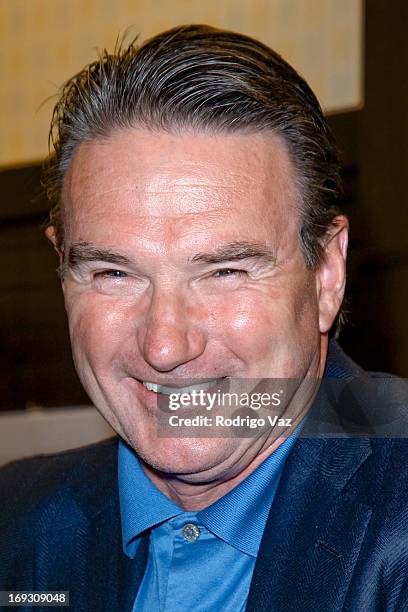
<point>185,382</point>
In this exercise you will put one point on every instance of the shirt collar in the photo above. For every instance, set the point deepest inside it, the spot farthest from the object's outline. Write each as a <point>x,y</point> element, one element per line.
<point>142,505</point>
<point>238,518</point>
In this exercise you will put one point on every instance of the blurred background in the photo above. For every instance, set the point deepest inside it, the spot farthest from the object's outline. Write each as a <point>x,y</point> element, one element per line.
<point>355,57</point>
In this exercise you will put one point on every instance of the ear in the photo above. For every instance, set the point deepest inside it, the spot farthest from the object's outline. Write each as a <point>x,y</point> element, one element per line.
<point>331,274</point>
<point>51,234</point>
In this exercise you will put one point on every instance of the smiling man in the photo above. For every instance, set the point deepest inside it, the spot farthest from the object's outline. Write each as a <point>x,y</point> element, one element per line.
<point>195,186</point>
<point>183,262</point>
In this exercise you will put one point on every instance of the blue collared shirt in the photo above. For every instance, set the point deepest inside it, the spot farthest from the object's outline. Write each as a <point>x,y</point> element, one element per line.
<point>204,560</point>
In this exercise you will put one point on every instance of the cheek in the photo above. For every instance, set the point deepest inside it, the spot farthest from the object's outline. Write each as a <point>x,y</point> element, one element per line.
<point>257,324</point>
<point>96,328</point>
<point>245,323</point>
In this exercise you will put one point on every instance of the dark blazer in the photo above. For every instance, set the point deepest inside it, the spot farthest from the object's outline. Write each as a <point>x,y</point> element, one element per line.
<point>336,538</point>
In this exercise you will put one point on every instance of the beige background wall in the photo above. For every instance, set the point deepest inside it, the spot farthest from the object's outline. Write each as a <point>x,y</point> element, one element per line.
<point>43,42</point>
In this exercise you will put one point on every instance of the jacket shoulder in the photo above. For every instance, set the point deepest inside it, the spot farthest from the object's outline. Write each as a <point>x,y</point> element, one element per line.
<point>43,490</point>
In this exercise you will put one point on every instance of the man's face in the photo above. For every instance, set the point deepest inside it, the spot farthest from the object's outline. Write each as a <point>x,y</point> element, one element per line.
<point>184,263</point>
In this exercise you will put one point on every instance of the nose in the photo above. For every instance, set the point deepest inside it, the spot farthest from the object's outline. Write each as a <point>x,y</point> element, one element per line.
<point>171,334</point>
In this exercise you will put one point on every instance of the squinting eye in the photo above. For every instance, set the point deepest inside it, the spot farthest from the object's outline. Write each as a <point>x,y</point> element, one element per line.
<point>228,272</point>
<point>110,274</point>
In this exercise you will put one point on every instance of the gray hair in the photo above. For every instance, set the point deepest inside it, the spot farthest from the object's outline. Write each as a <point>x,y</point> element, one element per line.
<point>201,78</point>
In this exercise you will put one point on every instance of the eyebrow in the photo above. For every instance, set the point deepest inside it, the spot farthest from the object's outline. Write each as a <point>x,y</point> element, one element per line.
<point>83,252</point>
<point>237,251</point>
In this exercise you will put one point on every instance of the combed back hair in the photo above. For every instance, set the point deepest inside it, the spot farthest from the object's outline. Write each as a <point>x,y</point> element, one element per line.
<point>208,80</point>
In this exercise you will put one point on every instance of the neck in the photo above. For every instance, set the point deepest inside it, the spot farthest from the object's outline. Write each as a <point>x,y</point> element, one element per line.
<point>194,496</point>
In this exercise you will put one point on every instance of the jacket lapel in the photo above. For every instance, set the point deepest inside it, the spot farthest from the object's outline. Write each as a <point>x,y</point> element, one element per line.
<point>317,522</point>
<point>110,567</point>
<point>314,533</point>
<point>112,578</point>
<point>88,561</point>
<point>83,552</point>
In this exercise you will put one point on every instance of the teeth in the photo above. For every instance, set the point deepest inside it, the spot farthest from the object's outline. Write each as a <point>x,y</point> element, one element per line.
<point>151,386</point>
<point>179,390</point>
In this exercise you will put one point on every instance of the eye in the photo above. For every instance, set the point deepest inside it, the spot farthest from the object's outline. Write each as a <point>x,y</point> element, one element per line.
<point>225,272</point>
<point>116,274</point>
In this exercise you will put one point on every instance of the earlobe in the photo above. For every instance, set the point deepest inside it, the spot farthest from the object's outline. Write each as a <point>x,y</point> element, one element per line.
<point>331,275</point>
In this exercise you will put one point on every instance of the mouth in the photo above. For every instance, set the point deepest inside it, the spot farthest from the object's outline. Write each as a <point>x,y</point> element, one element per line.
<point>174,389</point>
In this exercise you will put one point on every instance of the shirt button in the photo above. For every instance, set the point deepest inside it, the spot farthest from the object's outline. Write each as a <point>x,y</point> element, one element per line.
<point>190,532</point>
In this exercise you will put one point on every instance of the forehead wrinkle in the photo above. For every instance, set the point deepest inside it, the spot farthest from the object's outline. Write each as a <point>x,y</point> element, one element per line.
<point>276,184</point>
<point>198,192</point>
<point>198,179</point>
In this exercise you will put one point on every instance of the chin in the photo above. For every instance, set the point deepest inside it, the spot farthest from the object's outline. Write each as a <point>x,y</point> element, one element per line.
<point>189,456</point>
